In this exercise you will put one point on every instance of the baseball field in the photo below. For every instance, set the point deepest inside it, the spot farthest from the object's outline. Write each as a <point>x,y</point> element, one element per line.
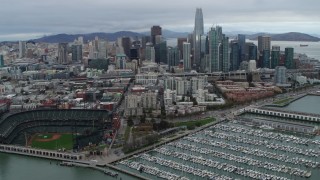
<point>52,141</point>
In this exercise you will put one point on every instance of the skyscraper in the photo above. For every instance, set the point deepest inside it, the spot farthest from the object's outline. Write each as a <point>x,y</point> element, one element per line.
<point>289,57</point>
<point>234,56</point>
<point>63,53</point>
<point>22,49</point>
<point>126,44</point>
<point>214,38</point>
<point>280,75</point>
<point>173,56</point>
<point>275,56</point>
<point>186,56</point>
<point>224,56</point>
<point>264,43</point>
<point>161,52</point>
<point>198,31</point>
<point>155,31</point>
<point>253,52</point>
<point>102,49</point>
<point>76,53</point>
<point>1,60</point>
<point>242,44</point>
<point>180,42</point>
<point>150,52</point>
<point>266,58</point>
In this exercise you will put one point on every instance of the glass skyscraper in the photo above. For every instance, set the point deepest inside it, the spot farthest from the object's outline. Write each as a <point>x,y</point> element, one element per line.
<point>198,31</point>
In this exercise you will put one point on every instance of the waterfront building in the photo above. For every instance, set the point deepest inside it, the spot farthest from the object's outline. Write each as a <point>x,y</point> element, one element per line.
<point>280,75</point>
<point>155,31</point>
<point>197,33</point>
<point>63,53</point>
<point>289,52</point>
<point>186,55</point>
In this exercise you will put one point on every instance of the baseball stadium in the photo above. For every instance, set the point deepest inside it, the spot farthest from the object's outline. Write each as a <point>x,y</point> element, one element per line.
<point>55,129</point>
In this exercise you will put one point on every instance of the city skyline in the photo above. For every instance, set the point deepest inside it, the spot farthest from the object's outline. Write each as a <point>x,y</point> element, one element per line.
<point>36,18</point>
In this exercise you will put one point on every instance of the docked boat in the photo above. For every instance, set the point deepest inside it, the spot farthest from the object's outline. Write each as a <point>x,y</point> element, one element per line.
<point>110,173</point>
<point>304,45</point>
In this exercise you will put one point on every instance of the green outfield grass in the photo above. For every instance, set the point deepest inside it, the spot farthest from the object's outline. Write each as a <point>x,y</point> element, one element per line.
<point>64,141</point>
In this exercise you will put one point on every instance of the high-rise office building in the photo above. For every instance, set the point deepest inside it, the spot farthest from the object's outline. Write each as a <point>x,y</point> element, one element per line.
<point>204,46</point>
<point>161,52</point>
<point>253,52</point>
<point>186,57</point>
<point>197,33</point>
<point>180,42</point>
<point>224,54</point>
<point>102,49</point>
<point>235,56</point>
<point>150,52</point>
<point>214,41</point>
<point>173,56</point>
<point>264,43</point>
<point>155,31</point>
<point>63,53</point>
<point>126,44</point>
<point>145,40</point>
<point>280,75</point>
<point>1,60</point>
<point>242,43</point>
<point>275,48</point>
<point>289,57</point>
<point>22,49</point>
<point>76,53</point>
<point>275,57</point>
<point>266,58</point>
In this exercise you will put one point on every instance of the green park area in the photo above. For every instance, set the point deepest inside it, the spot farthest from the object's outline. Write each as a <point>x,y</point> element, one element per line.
<point>283,101</point>
<point>194,123</point>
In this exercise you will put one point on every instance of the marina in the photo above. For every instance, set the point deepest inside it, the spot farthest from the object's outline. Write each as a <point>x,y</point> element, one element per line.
<point>231,150</point>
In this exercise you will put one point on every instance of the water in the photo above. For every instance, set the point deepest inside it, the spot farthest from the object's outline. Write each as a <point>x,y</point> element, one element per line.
<point>308,104</point>
<point>312,50</point>
<point>16,167</point>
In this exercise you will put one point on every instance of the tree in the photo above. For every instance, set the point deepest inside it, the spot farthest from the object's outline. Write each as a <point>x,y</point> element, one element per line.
<point>143,118</point>
<point>130,121</point>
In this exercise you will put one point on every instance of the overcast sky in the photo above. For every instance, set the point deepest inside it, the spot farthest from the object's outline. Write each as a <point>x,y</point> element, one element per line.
<point>25,19</point>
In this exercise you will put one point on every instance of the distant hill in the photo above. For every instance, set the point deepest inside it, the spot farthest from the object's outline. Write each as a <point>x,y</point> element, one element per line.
<point>108,36</point>
<point>71,37</point>
<point>291,36</point>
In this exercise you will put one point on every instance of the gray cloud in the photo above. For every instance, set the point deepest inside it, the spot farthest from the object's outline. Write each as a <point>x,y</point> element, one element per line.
<point>37,17</point>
